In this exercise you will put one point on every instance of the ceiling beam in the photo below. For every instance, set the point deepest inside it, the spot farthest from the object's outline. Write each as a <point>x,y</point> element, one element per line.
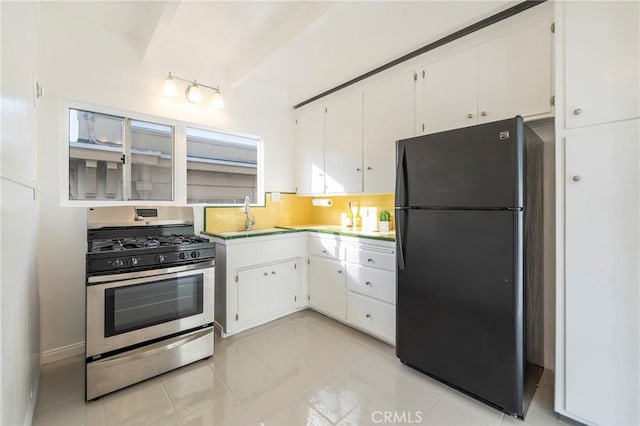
<point>243,65</point>
<point>164,14</point>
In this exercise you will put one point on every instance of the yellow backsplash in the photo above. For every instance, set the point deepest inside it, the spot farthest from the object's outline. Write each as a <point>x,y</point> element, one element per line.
<point>291,210</point>
<point>332,215</point>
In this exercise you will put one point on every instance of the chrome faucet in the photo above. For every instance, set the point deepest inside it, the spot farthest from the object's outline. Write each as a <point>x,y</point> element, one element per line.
<point>248,223</point>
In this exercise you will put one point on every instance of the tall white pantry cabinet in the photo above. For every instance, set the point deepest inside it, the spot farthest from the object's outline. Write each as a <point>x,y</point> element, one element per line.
<point>598,212</point>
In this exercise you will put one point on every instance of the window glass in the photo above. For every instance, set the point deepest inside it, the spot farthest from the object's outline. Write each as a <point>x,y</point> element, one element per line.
<point>221,168</point>
<point>151,161</point>
<point>95,156</point>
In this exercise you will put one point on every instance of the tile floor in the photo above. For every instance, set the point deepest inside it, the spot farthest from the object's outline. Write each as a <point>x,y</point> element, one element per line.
<point>304,369</point>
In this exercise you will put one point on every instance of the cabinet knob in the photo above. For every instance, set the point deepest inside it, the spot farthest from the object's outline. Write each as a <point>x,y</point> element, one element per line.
<point>358,169</point>
<point>368,283</point>
<point>324,251</point>
<point>369,168</point>
<point>370,260</point>
<point>577,111</point>
<point>577,178</point>
<point>469,115</point>
<point>483,113</point>
<point>266,274</point>
<point>273,272</point>
<point>339,272</point>
<point>368,315</point>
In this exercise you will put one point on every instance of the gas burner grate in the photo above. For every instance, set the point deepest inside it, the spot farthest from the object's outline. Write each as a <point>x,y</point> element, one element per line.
<point>142,242</point>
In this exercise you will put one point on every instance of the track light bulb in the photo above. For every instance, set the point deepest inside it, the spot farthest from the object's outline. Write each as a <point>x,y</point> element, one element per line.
<point>194,95</point>
<point>170,88</point>
<point>217,101</point>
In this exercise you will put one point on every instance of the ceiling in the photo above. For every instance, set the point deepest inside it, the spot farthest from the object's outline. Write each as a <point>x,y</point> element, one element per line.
<point>236,35</point>
<point>302,47</point>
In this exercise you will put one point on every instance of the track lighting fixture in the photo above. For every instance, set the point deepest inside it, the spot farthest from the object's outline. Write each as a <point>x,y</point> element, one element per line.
<point>193,91</point>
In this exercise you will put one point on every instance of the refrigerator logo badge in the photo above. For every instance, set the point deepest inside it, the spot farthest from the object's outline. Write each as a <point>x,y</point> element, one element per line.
<point>504,135</point>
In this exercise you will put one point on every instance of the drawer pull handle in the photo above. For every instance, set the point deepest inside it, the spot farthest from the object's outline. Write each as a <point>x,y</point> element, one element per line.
<point>368,283</point>
<point>370,260</point>
<point>368,315</point>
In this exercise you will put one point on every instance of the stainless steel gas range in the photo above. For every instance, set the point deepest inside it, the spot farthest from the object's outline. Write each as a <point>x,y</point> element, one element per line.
<point>150,295</point>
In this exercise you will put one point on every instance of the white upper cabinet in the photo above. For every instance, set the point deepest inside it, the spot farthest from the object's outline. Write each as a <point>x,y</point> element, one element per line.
<point>343,144</point>
<point>310,150</point>
<point>389,115</point>
<point>497,79</point>
<point>602,59</point>
<point>450,92</point>
<point>514,74</point>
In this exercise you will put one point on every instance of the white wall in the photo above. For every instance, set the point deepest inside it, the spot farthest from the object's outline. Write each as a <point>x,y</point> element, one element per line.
<point>81,61</point>
<point>19,325</point>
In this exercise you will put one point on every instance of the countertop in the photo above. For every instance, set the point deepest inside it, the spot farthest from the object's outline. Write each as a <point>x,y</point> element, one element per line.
<point>325,229</point>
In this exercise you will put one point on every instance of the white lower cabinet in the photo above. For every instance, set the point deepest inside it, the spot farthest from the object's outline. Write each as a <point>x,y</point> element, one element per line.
<point>371,284</point>
<point>327,286</point>
<point>600,310</point>
<point>350,279</point>
<point>372,315</point>
<point>259,279</point>
<point>353,280</point>
<point>266,290</point>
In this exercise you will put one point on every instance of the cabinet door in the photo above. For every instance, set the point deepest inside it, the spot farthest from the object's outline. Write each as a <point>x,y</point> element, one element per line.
<point>310,150</point>
<point>254,294</point>
<point>601,62</point>
<point>450,91</point>
<point>514,74</point>
<point>327,286</point>
<point>389,115</point>
<point>602,275</point>
<point>343,141</point>
<point>284,285</point>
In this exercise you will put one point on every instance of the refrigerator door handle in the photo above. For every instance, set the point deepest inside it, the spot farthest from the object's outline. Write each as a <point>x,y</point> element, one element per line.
<point>399,220</point>
<point>401,184</point>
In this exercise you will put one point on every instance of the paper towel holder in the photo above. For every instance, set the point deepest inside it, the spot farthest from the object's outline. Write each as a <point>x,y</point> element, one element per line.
<point>322,202</point>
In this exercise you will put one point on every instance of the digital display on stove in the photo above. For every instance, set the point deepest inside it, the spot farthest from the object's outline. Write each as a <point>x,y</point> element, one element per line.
<point>147,212</point>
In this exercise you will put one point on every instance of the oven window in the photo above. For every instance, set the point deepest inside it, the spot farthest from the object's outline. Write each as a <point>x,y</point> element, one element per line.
<point>142,305</point>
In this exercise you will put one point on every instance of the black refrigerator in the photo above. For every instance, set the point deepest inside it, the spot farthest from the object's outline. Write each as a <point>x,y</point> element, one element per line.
<point>469,253</point>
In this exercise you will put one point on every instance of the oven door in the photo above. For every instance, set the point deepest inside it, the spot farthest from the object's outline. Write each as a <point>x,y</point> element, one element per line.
<point>127,312</point>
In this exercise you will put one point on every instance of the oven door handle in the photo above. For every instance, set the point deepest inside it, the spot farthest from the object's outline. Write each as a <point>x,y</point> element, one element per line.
<point>150,350</point>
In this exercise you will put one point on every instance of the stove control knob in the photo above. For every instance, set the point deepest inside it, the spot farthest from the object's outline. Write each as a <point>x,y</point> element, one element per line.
<point>159,258</point>
<point>133,261</point>
<point>183,255</point>
<point>195,254</point>
<point>117,263</point>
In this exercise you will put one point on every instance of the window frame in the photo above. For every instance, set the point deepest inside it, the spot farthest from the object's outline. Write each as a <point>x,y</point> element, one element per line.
<point>179,158</point>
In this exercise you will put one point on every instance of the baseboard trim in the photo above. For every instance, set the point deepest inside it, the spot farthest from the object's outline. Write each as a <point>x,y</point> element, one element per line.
<point>56,354</point>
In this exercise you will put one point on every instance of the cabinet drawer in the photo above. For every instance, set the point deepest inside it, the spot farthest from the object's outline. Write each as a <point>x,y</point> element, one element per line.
<point>372,315</point>
<point>373,282</point>
<point>326,248</point>
<point>376,258</point>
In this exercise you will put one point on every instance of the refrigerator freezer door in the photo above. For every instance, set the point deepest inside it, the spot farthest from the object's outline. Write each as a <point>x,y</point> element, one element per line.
<point>472,167</point>
<point>459,301</point>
